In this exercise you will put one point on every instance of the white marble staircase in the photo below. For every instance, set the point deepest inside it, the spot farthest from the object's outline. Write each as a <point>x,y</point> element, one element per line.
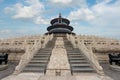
<point>78,61</point>
<point>40,60</point>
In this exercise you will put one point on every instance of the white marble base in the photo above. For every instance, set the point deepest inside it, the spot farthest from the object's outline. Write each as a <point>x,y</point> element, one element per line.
<point>38,76</point>
<point>115,67</point>
<point>24,76</point>
<point>3,67</point>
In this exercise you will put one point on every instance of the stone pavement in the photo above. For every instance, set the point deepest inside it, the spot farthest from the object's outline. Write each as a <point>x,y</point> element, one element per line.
<point>58,60</point>
<point>111,73</point>
<point>23,76</point>
<point>37,76</point>
<point>82,76</point>
<point>10,70</point>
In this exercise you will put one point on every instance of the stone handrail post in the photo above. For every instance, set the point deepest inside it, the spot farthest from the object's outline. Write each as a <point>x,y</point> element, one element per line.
<point>68,36</point>
<point>46,39</point>
<point>51,37</point>
<point>72,39</point>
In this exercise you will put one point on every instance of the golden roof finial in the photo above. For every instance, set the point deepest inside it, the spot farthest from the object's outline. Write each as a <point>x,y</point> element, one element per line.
<point>59,15</point>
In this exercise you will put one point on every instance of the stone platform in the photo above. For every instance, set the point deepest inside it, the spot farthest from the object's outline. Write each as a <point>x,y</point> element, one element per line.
<point>3,67</point>
<point>58,61</point>
<point>115,67</point>
<point>37,76</point>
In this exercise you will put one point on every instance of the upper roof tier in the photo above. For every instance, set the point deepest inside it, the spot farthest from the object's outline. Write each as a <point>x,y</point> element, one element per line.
<point>60,20</point>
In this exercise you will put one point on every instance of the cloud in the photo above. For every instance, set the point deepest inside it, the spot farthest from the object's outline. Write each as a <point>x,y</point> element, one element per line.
<point>5,31</point>
<point>81,14</point>
<point>102,19</point>
<point>30,10</point>
<point>33,9</point>
<point>100,14</point>
<point>61,1</point>
<point>107,14</point>
<point>103,1</point>
<point>8,10</point>
<point>40,20</point>
<point>68,3</point>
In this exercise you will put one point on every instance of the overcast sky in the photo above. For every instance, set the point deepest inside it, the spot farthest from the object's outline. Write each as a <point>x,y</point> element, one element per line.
<point>88,17</point>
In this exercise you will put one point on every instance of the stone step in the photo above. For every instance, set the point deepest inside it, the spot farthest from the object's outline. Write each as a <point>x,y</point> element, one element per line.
<point>47,49</point>
<point>77,58</point>
<point>32,69</point>
<point>85,69</point>
<point>68,46</point>
<point>36,65</point>
<point>74,50</point>
<point>80,65</point>
<point>74,54</point>
<point>43,54</point>
<point>40,61</point>
<point>78,61</point>
<point>41,58</point>
<point>44,51</point>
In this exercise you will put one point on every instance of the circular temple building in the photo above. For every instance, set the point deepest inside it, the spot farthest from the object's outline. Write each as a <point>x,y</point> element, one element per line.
<point>60,26</point>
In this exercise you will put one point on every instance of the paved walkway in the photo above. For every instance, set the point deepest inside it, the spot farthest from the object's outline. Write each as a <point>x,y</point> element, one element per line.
<point>58,60</point>
<point>111,73</point>
<point>37,76</point>
<point>10,70</point>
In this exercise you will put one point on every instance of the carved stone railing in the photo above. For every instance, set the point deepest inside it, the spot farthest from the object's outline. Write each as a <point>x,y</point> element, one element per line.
<point>9,47</point>
<point>87,52</point>
<point>72,39</point>
<point>30,51</point>
<point>27,56</point>
<point>45,39</point>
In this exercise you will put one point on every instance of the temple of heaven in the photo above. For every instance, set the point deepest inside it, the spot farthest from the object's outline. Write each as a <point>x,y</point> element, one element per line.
<point>60,26</point>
